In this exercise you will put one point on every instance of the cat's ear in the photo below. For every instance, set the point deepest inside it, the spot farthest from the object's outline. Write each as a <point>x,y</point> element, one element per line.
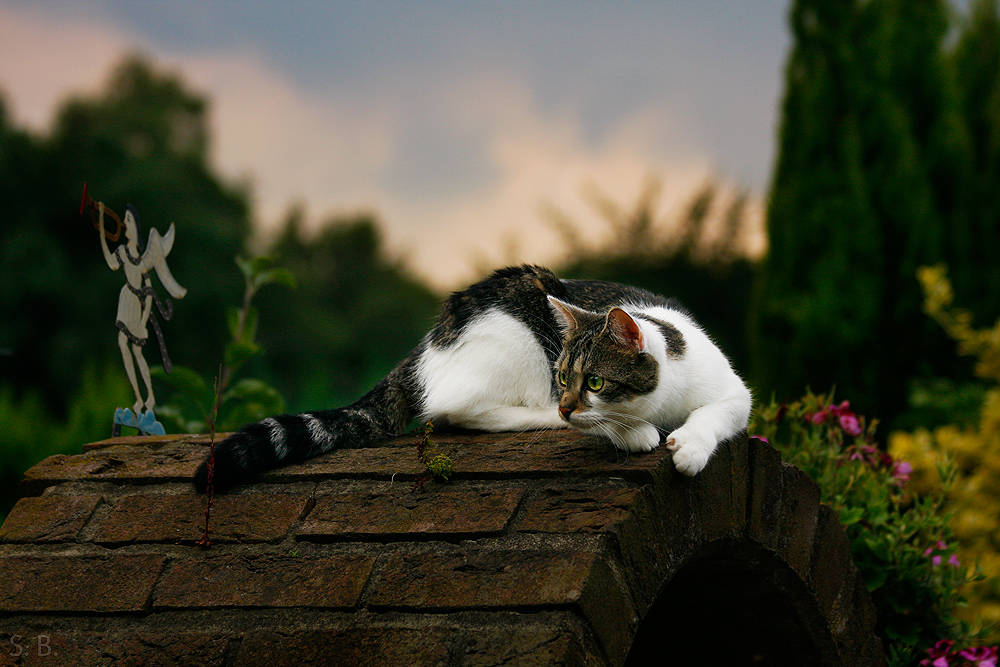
<point>624,330</point>
<point>567,315</point>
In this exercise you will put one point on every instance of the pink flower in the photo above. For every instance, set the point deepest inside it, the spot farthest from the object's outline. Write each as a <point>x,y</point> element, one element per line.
<point>850,425</point>
<point>818,417</point>
<point>981,656</point>
<point>843,409</point>
<point>936,558</point>
<point>938,655</point>
<point>901,471</point>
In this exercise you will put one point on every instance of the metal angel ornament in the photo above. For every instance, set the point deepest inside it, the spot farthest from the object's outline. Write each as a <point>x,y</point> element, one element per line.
<point>135,303</point>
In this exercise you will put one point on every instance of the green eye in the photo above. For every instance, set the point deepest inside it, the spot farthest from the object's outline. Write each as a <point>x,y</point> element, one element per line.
<point>595,383</point>
<point>561,378</point>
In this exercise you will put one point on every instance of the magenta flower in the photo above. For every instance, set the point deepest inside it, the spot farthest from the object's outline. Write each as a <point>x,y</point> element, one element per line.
<point>938,655</point>
<point>936,558</point>
<point>818,417</point>
<point>981,656</point>
<point>843,409</point>
<point>850,424</point>
<point>901,471</point>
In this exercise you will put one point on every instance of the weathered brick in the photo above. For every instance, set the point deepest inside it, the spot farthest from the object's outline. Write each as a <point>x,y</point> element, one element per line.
<point>504,579</point>
<point>179,519</point>
<point>357,647</point>
<point>173,462</point>
<point>153,441</point>
<point>489,648</point>
<point>554,453</point>
<point>766,493</point>
<point>832,571</point>
<point>93,649</point>
<point>576,510</point>
<point>95,584</point>
<point>801,510</point>
<point>482,579</point>
<point>718,493</point>
<point>264,581</point>
<point>47,518</point>
<point>399,514</point>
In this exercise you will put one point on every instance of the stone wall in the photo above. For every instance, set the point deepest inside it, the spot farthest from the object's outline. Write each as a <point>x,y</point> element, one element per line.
<point>544,549</point>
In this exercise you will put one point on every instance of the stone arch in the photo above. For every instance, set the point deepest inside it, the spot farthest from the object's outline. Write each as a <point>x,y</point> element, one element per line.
<point>544,549</point>
<point>771,582</point>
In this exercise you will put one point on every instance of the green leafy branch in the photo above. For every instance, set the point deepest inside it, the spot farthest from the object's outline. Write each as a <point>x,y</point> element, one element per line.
<point>195,399</point>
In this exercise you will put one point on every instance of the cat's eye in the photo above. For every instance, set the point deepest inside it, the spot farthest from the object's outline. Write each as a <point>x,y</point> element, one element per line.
<point>595,383</point>
<point>561,378</point>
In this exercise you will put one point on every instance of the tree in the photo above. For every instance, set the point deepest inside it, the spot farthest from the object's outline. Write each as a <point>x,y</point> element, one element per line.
<point>144,141</point>
<point>355,314</point>
<point>871,166</point>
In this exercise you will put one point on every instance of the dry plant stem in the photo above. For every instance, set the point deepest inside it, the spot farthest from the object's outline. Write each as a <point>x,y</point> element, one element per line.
<point>210,490</point>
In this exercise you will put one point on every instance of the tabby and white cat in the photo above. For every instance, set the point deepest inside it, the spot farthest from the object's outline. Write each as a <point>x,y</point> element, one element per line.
<point>524,350</point>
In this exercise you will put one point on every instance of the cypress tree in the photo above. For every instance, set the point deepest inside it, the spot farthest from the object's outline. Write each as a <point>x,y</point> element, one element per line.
<point>853,211</point>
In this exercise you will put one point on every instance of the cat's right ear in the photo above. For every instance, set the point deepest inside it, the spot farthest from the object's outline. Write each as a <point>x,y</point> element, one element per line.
<point>567,315</point>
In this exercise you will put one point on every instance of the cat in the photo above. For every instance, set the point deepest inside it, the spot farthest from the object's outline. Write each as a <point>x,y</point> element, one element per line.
<point>523,350</point>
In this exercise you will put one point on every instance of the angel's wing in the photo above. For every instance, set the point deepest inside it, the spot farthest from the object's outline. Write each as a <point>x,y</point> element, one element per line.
<point>155,257</point>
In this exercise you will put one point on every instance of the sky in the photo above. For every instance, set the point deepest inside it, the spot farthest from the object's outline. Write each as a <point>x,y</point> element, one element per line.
<point>458,123</point>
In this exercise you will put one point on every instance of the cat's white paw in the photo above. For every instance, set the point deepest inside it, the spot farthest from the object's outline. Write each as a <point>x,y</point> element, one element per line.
<point>642,438</point>
<point>690,451</point>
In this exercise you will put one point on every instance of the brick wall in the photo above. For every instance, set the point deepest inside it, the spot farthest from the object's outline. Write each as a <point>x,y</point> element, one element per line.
<point>544,549</point>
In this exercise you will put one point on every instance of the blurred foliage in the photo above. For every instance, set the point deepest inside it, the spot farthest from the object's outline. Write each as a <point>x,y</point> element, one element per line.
<point>354,316</point>
<point>142,141</point>
<point>200,406</point>
<point>888,159</point>
<point>973,450</point>
<point>901,540</point>
<point>30,433</point>
<point>696,256</point>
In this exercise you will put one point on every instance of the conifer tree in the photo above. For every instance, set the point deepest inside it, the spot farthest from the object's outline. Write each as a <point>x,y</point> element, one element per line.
<point>870,125</point>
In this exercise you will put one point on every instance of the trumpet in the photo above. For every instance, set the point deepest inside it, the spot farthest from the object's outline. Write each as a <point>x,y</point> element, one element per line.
<point>87,202</point>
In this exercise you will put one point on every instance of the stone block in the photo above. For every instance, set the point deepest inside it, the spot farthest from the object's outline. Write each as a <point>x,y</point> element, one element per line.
<point>85,584</point>
<point>98,649</point>
<point>395,515</point>
<point>264,581</point>
<point>489,580</point>
<point>576,510</point>
<point>180,519</point>
<point>481,579</point>
<point>172,462</point>
<point>45,519</point>
<point>357,647</point>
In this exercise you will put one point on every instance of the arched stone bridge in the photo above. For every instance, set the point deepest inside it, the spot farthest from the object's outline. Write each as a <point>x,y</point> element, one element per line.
<point>544,549</point>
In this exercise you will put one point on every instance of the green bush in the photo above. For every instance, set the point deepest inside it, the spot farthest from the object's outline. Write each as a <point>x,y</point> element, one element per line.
<point>901,541</point>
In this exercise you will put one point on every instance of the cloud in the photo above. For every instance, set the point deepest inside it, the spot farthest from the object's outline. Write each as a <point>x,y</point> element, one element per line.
<point>44,57</point>
<point>458,165</point>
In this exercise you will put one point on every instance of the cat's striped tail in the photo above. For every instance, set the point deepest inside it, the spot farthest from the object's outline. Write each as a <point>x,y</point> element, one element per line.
<point>383,412</point>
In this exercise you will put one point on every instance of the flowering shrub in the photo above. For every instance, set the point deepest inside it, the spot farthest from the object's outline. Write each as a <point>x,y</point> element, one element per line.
<point>901,541</point>
<point>972,448</point>
<point>943,654</point>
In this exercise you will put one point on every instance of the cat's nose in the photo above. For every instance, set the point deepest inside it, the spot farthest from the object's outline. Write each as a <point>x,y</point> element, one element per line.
<point>564,411</point>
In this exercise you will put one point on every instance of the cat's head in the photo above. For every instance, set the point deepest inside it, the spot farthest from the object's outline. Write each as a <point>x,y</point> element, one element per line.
<point>605,371</point>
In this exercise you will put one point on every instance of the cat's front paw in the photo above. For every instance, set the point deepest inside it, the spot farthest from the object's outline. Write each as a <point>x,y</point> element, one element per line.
<point>690,451</point>
<point>641,438</point>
